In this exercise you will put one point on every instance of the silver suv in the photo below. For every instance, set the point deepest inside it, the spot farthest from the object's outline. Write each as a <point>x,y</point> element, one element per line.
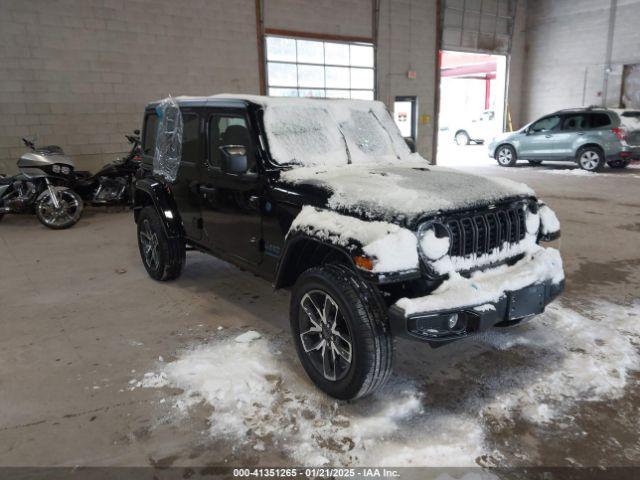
<point>590,137</point>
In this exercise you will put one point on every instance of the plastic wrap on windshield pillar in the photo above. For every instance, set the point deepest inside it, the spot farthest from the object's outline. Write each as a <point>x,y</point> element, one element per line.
<point>166,158</point>
<point>631,95</point>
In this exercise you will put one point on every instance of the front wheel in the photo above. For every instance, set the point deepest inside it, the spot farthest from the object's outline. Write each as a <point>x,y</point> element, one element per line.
<point>340,332</point>
<point>506,156</point>
<point>462,138</point>
<point>163,257</point>
<point>590,159</point>
<point>65,215</point>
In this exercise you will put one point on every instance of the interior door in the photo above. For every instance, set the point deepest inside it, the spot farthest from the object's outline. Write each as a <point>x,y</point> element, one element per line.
<point>231,202</point>
<point>539,143</point>
<point>193,153</point>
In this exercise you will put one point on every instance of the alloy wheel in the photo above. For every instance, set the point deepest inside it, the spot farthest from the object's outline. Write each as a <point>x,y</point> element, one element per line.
<point>589,160</point>
<point>149,241</point>
<point>325,335</point>
<point>68,209</point>
<point>505,156</point>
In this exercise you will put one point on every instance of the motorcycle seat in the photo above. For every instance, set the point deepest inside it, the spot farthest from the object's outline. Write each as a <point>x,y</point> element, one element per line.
<point>50,150</point>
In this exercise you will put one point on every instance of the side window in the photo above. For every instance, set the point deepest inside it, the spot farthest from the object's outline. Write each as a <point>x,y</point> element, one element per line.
<point>149,136</point>
<point>599,120</point>
<point>228,130</point>
<point>575,122</point>
<point>191,137</point>
<point>546,124</point>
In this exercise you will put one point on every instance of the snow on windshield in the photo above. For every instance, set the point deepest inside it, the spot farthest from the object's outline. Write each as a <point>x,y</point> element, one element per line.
<point>331,132</point>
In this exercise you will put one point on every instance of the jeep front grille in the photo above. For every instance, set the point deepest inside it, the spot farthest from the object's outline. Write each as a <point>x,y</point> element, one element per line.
<point>480,233</point>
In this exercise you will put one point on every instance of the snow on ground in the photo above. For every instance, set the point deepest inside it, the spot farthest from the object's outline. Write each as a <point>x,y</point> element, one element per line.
<point>260,398</point>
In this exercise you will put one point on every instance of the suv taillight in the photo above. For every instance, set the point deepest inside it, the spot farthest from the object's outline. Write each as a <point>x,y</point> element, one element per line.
<point>619,133</point>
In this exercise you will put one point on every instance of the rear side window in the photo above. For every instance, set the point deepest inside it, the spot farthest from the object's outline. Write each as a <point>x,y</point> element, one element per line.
<point>191,144</point>
<point>149,135</point>
<point>575,122</point>
<point>599,120</point>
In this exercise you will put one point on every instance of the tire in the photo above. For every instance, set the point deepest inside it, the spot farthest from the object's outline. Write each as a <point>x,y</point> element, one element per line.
<point>618,164</point>
<point>535,163</point>
<point>162,257</point>
<point>506,156</point>
<point>590,159</point>
<point>359,332</point>
<point>462,138</point>
<point>67,215</point>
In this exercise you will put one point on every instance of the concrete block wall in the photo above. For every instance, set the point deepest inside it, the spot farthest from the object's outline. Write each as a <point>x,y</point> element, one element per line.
<point>566,53</point>
<point>78,72</point>
<point>330,17</point>
<point>407,40</point>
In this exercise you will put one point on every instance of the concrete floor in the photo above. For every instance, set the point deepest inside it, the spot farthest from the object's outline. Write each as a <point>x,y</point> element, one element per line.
<point>81,322</point>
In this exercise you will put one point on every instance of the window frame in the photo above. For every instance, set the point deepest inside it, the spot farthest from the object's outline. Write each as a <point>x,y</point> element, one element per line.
<point>226,113</point>
<point>324,65</point>
<point>145,129</point>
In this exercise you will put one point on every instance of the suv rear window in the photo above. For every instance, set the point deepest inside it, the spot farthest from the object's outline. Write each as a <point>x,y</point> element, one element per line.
<point>149,136</point>
<point>599,120</point>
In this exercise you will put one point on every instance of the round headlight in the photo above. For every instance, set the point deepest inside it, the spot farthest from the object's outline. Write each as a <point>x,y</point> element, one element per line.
<point>433,240</point>
<point>56,169</point>
<point>65,170</point>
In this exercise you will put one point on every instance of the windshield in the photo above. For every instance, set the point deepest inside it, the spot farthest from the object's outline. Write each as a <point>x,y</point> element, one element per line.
<point>324,132</point>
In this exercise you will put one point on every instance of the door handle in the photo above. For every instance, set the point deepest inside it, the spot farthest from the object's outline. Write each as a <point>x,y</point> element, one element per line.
<point>207,190</point>
<point>548,136</point>
<point>580,133</point>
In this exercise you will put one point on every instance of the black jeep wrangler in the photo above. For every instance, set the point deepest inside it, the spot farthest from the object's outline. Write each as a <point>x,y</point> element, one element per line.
<point>324,197</point>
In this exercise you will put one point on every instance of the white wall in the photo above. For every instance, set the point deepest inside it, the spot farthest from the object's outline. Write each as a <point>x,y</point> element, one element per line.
<point>566,53</point>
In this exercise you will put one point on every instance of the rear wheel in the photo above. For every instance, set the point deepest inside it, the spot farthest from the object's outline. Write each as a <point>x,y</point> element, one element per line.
<point>618,163</point>
<point>163,257</point>
<point>506,156</point>
<point>462,138</point>
<point>65,215</point>
<point>340,332</point>
<point>590,159</point>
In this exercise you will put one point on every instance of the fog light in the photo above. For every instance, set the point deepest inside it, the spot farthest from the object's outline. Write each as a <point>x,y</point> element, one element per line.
<point>453,321</point>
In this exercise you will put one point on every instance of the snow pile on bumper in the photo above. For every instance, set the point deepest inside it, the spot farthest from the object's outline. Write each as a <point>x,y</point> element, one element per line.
<point>538,266</point>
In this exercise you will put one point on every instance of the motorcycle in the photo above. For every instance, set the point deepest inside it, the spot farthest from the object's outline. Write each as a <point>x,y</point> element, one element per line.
<point>42,186</point>
<point>113,183</point>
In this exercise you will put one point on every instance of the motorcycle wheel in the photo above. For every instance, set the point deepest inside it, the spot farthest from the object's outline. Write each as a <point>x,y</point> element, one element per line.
<point>65,216</point>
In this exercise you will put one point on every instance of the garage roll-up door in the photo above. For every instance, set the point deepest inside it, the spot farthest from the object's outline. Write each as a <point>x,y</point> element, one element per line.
<point>478,25</point>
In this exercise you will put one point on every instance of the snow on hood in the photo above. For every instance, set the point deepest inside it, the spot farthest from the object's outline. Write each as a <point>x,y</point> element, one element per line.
<point>413,189</point>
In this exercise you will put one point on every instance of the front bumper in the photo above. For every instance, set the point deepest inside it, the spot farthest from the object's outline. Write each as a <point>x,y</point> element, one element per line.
<point>513,308</point>
<point>501,297</point>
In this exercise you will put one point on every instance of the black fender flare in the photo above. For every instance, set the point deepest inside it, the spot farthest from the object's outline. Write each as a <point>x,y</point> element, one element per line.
<point>292,263</point>
<point>151,192</point>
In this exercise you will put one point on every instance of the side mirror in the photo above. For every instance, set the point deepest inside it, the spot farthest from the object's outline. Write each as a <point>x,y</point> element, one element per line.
<point>136,131</point>
<point>234,159</point>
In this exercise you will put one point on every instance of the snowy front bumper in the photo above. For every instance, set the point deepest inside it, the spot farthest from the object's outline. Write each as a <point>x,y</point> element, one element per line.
<point>462,306</point>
